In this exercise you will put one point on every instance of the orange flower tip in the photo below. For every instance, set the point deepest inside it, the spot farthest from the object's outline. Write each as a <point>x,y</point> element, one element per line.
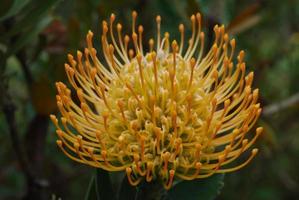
<point>233,42</point>
<point>90,34</point>
<point>221,158</point>
<point>63,120</point>
<point>59,143</point>
<point>202,35</point>
<point>79,54</point>
<point>134,36</point>
<point>243,66</point>
<point>174,44</point>
<point>257,106</point>
<point>242,54</point>
<point>226,103</point>
<point>70,56</point>
<point>136,157</point>
<point>226,37</point>
<point>181,28</point>
<point>93,72</point>
<point>90,150</point>
<point>198,16</point>
<point>151,41</point>
<point>59,104</point>
<point>76,145</point>
<point>179,141</point>
<point>228,147</point>
<point>197,146</point>
<point>171,172</point>
<point>215,74</point>
<point>111,48</point>
<point>198,165</point>
<point>53,118</point>
<point>214,102</point>
<point>140,28</point>
<point>79,92</point>
<point>166,35</point>
<point>120,103</point>
<point>154,54</point>
<point>98,135</point>
<point>259,130</point>
<point>222,29</point>
<point>245,128</point>
<point>66,66</point>
<point>166,155</point>
<point>59,133</point>
<point>192,62</point>
<point>79,138</point>
<point>134,14</point>
<point>58,98</point>
<point>93,51</point>
<point>256,92</point>
<point>112,17</point>
<point>139,57</point>
<point>128,170</point>
<point>105,28</point>
<point>86,51</point>
<point>119,26</point>
<point>149,164</point>
<point>105,114</point>
<point>127,38</point>
<point>134,125</point>
<point>192,18</point>
<point>254,151</point>
<point>244,142</point>
<point>214,47</point>
<point>247,90</point>
<point>121,139</point>
<point>158,19</point>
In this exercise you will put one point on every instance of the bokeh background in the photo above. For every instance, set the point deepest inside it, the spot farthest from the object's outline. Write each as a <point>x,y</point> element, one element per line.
<point>35,37</point>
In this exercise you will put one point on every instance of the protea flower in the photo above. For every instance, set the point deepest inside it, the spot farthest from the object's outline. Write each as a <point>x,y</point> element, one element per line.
<point>173,111</point>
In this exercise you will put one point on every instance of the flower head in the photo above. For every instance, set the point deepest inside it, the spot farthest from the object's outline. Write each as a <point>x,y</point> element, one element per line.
<point>174,111</point>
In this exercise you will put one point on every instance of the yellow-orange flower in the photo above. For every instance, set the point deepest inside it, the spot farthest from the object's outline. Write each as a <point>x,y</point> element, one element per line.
<point>172,111</point>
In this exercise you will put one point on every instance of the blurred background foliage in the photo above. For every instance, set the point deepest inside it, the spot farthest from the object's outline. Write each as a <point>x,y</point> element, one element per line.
<point>35,37</point>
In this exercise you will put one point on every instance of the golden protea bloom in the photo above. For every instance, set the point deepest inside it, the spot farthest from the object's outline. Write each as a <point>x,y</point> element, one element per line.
<point>173,111</point>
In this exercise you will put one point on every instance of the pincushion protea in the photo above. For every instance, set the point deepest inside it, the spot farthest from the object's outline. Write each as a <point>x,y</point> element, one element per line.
<point>171,112</point>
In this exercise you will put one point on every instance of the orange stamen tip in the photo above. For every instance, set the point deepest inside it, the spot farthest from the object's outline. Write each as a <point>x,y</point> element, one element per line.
<point>89,35</point>
<point>128,171</point>
<point>171,172</point>
<point>259,130</point>
<point>53,118</point>
<point>59,143</point>
<point>112,17</point>
<point>254,151</point>
<point>158,19</point>
<point>198,165</point>
<point>119,27</point>
<point>192,18</point>
<point>140,28</point>
<point>198,16</point>
<point>59,133</point>
<point>134,14</point>
<point>181,27</point>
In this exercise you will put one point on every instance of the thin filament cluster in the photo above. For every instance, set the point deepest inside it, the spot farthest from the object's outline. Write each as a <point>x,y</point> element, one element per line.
<point>173,111</point>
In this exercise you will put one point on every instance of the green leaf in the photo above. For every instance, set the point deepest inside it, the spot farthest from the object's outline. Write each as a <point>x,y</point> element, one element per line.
<point>91,190</point>
<point>14,9</point>
<point>104,187</point>
<point>38,9</point>
<point>127,192</point>
<point>201,189</point>
<point>29,36</point>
